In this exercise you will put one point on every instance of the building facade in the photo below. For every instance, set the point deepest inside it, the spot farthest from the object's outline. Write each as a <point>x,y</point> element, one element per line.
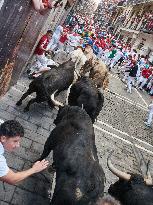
<point>20,29</point>
<point>133,22</point>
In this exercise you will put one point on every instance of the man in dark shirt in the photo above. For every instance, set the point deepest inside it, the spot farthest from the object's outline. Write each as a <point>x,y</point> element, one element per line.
<point>132,74</point>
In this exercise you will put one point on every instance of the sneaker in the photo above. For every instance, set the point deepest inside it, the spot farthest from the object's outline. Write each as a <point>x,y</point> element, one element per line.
<point>148,125</point>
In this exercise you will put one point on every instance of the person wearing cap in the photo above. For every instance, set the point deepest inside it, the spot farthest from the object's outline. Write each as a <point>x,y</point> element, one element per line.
<point>11,133</point>
<point>150,115</point>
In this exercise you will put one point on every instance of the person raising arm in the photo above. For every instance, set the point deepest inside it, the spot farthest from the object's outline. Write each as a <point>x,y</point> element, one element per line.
<point>11,132</point>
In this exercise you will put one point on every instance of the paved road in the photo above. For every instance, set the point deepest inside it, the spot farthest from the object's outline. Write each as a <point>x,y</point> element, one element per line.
<point>119,125</point>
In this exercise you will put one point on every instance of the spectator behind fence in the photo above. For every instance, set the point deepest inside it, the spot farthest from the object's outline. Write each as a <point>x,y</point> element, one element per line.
<point>11,132</point>
<point>108,200</point>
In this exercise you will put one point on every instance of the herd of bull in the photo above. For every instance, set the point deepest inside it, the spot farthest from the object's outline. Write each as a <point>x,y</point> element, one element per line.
<point>79,176</point>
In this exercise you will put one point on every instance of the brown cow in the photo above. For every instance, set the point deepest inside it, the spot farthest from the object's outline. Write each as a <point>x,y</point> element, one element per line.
<point>97,72</point>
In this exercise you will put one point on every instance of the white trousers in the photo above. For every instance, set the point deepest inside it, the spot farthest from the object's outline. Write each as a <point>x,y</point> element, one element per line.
<point>130,83</point>
<point>126,75</point>
<point>53,43</point>
<point>40,61</point>
<point>114,62</point>
<point>150,116</point>
<point>61,46</point>
<point>143,81</point>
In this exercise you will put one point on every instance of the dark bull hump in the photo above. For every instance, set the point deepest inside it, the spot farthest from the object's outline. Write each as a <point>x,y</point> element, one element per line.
<point>85,94</point>
<point>79,178</point>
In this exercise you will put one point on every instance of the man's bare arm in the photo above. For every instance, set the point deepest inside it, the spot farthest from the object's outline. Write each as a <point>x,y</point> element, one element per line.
<point>14,178</point>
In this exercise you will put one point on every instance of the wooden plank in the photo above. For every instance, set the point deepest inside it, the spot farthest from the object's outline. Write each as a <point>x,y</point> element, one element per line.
<point>20,26</point>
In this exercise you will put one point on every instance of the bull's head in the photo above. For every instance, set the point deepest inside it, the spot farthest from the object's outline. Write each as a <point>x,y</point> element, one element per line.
<point>130,189</point>
<point>125,176</point>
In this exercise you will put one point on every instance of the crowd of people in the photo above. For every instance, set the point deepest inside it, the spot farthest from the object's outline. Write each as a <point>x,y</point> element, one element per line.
<point>78,32</point>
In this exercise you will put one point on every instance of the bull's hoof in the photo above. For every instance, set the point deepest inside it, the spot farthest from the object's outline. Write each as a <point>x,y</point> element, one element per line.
<point>26,110</point>
<point>18,103</point>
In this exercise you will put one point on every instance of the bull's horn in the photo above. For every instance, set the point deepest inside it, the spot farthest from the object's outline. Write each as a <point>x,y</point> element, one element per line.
<point>115,171</point>
<point>55,102</point>
<point>149,181</point>
<point>67,94</point>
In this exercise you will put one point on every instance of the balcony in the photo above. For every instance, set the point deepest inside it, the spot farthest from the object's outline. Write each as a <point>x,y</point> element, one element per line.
<point>140,23</point>
<point>135,2</point>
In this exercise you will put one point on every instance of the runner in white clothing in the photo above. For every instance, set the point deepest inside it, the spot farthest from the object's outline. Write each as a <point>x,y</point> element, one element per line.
<point>55,38</point>
<point>150,115</point>
<point>116,58</point>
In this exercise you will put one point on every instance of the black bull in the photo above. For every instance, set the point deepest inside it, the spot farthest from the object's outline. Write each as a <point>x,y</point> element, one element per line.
<point>132,192</point>
<point>85,94</point>
<point>131,189</point>
<point>58,78</point>
<point>79,177</point>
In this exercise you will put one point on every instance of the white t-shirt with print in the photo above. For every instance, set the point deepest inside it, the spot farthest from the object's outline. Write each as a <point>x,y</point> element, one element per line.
<point>3,165</point>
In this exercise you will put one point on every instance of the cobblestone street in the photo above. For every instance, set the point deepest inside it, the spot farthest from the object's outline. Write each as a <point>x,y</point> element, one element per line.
<point>119,125</point>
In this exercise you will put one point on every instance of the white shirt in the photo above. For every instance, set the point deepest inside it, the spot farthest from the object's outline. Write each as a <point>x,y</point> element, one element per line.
<point>118,55</point>
<point>58,32</point>
<point>3,165</point>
